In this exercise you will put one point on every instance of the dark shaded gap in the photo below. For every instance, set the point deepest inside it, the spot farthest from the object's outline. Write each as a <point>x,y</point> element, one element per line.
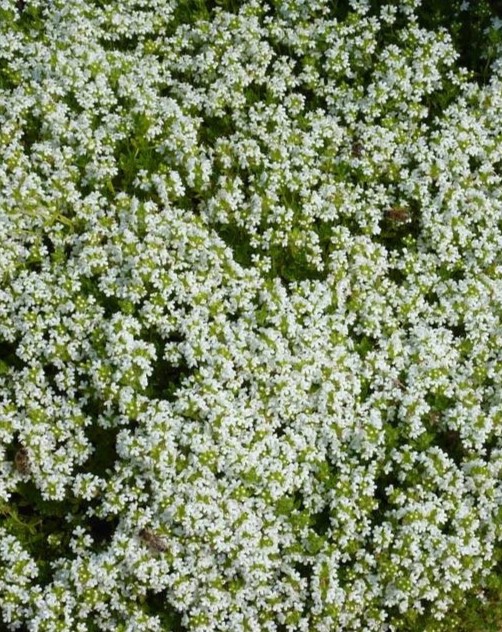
<point>451,444</point>
<point>9,357</point>
<point>104,455</point>
<point>320,522</point>
<point>397,275</point>
<point>101,530</point>
<point>458,330</point>
<point>157,604</point>
<point>166,378</point>
<point>362,343</point>
<point>110,304</point>
<point>238,240</point>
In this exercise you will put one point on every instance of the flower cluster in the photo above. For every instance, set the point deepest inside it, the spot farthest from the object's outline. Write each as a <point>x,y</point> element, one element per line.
<point>250,322</point>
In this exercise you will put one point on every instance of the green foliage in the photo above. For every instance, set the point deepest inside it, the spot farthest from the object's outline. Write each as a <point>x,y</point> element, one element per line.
<point>114,382</point>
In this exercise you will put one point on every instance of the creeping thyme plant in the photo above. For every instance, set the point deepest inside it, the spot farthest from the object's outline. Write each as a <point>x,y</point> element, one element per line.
<point>250,315</point>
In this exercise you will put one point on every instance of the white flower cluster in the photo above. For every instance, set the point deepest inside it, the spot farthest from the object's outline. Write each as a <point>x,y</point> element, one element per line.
<point>250,322</point>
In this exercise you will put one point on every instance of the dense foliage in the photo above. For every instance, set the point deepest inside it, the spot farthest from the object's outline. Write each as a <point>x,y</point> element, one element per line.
<point>250,315</point>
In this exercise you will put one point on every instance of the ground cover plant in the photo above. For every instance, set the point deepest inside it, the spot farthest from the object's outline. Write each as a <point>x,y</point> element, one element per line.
<point>250,315</point>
